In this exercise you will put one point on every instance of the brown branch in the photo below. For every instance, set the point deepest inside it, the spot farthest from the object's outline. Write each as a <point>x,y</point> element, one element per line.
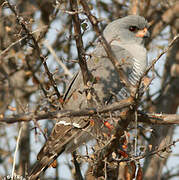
<point>152,65</point>
<point>161,54</point>
<point>36,78</point>
<point>162,149</point>
<point>161,20</point>
<point>79,42</point>
<point>78,175</point>
<point>68,113</point>
<point>52,51</point>
<point>19,41</point>
<point>29,34</point>
<point>164,119</point>
<point>134,7</point>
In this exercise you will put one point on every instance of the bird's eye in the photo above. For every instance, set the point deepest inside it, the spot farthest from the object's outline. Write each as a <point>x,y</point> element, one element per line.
<point>133,28</point>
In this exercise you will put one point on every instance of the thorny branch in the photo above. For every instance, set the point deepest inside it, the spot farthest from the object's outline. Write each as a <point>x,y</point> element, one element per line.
<point>150,67</point>
<point>159,56</point>
<point>162,149</point>
<point>20,40</point>
<point>28,65</point>
<point>133,90</point>
<point>29,34</point>
<point>67,113</point>
<point>79,43</point>
<point>160,119</point>
<point>148,118</point>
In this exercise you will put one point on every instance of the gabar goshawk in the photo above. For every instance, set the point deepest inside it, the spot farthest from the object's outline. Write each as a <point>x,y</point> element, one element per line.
<point>126,37</point>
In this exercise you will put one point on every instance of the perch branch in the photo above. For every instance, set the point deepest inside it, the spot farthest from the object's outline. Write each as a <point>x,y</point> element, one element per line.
<point>165,119</point>
<point>67,113</point>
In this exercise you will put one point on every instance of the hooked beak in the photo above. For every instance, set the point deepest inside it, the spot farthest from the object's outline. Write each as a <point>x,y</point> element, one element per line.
<point>144,33</point>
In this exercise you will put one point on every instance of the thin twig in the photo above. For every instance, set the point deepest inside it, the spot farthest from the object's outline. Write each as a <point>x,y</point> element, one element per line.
<point>162,149</point>
<point>161,54</point>
<point>71,12</point>
<point>15,153</point>
<point>38,126</point>
<point>105,168</point>
<point>58,59</point>
<point>136,133</point>
<point>19,40</point>
<point>155,60</point>
<point>156,118</point>
<point>21,22</point>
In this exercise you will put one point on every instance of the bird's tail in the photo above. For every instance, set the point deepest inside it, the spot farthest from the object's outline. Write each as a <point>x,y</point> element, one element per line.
<point>40,166</point>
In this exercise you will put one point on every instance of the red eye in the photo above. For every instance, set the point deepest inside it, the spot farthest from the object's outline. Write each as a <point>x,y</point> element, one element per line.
<point>133,28</point>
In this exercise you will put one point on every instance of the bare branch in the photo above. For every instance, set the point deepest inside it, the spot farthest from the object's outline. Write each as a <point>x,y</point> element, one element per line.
<point>15,153</point>
<point>155,118</point>
<point>165,119</point>
<point>153,63</point>
<point>161,54</point>
<point>78,175</point>
<point>162,149</point>
<point>29,34</point>
<point>57,58</point>
<point>79,43</point>
<point>67,113</point>
<point>19,40</point>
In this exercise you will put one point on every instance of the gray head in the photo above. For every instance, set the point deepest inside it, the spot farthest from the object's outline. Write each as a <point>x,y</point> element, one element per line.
<point>130,29</point>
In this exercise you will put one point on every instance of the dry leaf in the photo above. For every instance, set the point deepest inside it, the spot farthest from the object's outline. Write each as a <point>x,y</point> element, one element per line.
<point>28,73</point>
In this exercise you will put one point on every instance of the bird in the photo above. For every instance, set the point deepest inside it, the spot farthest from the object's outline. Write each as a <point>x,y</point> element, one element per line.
<point>126,37</point>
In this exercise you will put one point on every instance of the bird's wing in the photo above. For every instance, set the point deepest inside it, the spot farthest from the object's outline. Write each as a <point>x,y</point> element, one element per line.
<point>69,133</point>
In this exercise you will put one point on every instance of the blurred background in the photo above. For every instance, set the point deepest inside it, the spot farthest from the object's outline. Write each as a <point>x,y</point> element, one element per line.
<point>25,86</point>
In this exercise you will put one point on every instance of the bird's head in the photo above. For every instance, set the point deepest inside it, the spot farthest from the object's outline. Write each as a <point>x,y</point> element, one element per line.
<point>130,29</point>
